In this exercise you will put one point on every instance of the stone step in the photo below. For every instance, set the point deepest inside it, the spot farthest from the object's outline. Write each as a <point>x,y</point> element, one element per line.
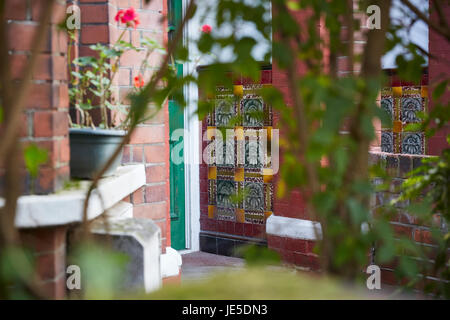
<point>140,239</point>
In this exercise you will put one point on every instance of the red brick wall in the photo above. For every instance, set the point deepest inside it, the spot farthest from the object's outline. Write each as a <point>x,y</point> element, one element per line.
<point>404,224</point>
<point>149,144</point>
<point>44,121</point>
<point>293,204</point>
<point>48,246</point>
<point>439,69</point>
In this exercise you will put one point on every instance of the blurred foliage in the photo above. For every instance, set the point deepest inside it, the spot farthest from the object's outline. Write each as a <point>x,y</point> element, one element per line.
<point>34,158</point>
<point>255,255</point>
<point>102,270</point>
<point>427,192</point>
<point>338,193</point>
<point>17,268</point>
<point>259,283</point>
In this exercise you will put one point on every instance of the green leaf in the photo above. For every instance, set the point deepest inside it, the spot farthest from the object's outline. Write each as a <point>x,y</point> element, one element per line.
<point>34,158</point>
<point>1,114</point>
<point>440,89</point>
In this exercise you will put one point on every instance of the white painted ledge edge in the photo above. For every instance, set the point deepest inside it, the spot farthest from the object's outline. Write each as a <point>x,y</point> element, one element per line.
<point>170,263</point>
<point>292,228</point>
<point>67,206</point>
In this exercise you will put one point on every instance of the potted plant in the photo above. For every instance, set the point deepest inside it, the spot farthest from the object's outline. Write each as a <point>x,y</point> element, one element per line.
<point>91,79</point>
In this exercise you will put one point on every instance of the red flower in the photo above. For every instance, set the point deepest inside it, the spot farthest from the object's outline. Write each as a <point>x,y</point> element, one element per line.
<point>138,81</point>
<point>206,28</point>
<point>129,17</point>
<point>119,15</point>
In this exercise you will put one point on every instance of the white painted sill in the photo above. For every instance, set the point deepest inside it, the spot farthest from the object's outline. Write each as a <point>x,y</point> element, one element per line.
<point>66,206</point>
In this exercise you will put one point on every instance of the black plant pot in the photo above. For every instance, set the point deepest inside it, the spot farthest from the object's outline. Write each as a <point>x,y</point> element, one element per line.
<point>90,149</point>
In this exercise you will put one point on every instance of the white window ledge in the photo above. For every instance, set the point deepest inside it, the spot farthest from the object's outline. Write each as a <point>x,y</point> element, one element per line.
<point>293,228</point>
<point>66,206</point>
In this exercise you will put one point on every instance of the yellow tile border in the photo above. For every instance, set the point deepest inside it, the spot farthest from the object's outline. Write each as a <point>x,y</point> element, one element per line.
<point>424,91</point>
<point>240,215</point>
<point>211,210</point>
<point>239,174</point>
<point>212,173</point>
<point>397,127</point>
<point>267,175</point>
<point>269,133</point>
<point>238,90</point>
<point>397,91</point>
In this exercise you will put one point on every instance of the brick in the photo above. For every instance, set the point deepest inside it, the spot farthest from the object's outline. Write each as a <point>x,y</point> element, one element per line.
<point>94,13</point>
<point>21,36</point>
<point>156,193</point>
<point>138,197</point>
<point>274,242</point>
<point>45,182</point>
<point>59,41</point>
<point>44,239</point>
<point>155,153</point>
<point>61,96</point>
<point>49,124</point>
<point>64,150</point>
<point>423,236</point>
<point>148,134</point>
<point>49,266</point>
<point>155,173</point>
<point>155,211</point>
<point>126,154</point>
<point>138,154</point>
<point>164,230</point>
<point>402,230</point>
<point>15,9</point>
<point>58,11</point>
<point>59,68</point>
<point>94,34</point>
<point>40,96</point>
<point>124,77</point>
<point>295,245</point>
<point>55,289</point>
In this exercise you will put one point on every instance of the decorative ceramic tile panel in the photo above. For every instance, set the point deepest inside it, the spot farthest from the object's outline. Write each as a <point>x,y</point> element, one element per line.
<point>403,103</point>
<point>239,179</point>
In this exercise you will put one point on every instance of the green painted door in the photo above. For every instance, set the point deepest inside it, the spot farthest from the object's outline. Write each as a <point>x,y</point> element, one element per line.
<point>176,121</point>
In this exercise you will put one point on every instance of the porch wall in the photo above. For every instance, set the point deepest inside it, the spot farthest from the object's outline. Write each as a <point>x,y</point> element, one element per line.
<point>45,120</point>
<point>149,145</point>
<point>295,246</point>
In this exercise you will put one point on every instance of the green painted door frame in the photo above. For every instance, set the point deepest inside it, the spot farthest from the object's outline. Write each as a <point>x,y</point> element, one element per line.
<point>176,121</point>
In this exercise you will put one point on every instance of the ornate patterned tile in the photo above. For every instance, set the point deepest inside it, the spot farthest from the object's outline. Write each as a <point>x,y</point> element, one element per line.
<point>410,107</point>
<point>388,105</point>
<point>387,141</point>
<point>253,111</point>
<point>254,196</point>
<point>238,187</point>
<point>225,192</point>
<point>225,111</point>
<point>403,104</point>
<point>412,143</point>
